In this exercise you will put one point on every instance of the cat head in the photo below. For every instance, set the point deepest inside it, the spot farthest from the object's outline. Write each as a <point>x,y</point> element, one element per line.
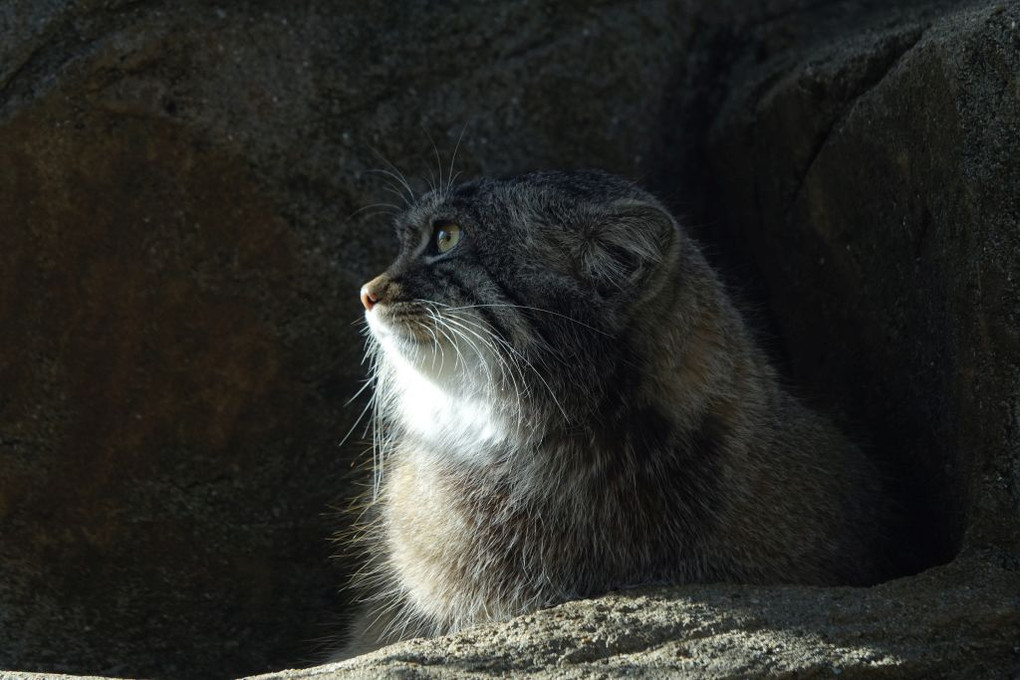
<point>521,291</point>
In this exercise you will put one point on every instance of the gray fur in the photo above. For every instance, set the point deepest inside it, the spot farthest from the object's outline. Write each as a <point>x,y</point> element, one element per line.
<point>601,418</point>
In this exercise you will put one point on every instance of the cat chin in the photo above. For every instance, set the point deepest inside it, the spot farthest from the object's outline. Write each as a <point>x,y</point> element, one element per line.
<point>419,359</point>
<point>444,395</point>
<point>433,354</point>
<point>447,412</point>
<point>399,334</point>
<point>448,407</point>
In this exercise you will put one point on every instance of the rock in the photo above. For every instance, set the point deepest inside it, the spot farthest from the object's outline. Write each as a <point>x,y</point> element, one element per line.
<point>875,185</point>
<point>181,246</point>
<point>960,621</point>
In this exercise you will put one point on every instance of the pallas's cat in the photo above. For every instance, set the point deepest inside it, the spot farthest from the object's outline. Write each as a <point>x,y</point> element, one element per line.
<point>566,402</point>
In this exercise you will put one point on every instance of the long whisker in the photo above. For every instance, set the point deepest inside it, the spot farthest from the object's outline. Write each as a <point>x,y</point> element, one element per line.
<point>453,159</point>
<point>377,213</point>
<point>533,309</point>
<point>439,164</point>
<point>357,421</point>
<point>523,359</point>
<point>431,309</point>
<point>368,383</point>
<point>549,352</point>
<point>393,209</point>
<point>481,355</point>
<point>451,336</point>
<point>512,375</point>
<point>437,330</point>
<point>395,173</point>
<point>490,339</point>
<point>395,190</point>
<point>438,345</point>
<point>371,402</point>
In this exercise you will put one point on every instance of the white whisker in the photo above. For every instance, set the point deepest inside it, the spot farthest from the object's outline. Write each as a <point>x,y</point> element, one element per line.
<point>527,362</point>
<point>533,309</point>
<point>453,159</point>
<point>396,175</point>
<point>392,209</point>
<point>439,165</point>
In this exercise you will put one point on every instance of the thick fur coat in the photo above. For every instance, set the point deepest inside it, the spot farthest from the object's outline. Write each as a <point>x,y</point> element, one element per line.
<point>567,402</point>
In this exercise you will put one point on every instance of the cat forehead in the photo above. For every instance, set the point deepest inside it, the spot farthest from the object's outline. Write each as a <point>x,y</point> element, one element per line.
<point>518,203</point>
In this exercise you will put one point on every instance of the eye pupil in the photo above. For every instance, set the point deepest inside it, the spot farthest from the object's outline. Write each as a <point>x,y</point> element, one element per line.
<point>447,236</point>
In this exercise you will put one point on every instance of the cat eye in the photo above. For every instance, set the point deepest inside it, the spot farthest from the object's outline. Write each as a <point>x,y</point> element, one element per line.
<point>445,236</point>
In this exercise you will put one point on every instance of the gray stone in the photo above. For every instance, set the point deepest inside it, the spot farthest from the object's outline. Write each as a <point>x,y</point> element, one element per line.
<point>874,183</point>
<point>960,621</point>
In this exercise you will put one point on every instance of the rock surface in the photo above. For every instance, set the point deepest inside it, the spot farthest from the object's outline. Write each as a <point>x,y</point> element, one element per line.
<point>874,182</point>
<point>180,249</point>
<point>961,621</point>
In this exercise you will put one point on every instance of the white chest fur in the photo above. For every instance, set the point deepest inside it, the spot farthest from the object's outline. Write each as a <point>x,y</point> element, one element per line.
<point>453,416</point>
<point>456,399</point>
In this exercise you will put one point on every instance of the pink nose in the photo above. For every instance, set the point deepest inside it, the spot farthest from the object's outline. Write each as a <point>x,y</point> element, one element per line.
<point>375,291</point>
<point>368,297</point>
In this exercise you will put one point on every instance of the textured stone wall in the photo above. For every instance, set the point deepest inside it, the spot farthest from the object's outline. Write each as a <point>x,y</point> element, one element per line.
<point>873,183</point>
<point>186,195</point>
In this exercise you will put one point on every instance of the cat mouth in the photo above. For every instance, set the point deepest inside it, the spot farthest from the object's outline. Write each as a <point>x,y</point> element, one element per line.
<point>403,321</point>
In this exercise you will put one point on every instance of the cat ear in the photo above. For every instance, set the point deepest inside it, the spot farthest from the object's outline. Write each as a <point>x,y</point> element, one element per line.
<point>635,249</point>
